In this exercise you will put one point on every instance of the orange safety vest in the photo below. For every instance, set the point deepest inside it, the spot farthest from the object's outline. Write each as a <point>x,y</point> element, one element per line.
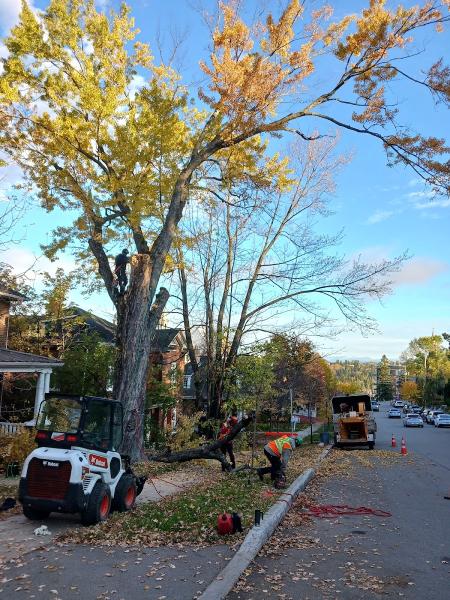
<point>277,446</point>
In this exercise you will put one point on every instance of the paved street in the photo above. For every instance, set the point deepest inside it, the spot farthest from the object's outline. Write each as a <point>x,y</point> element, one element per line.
<point>430,442</point>
<point>406,555</point>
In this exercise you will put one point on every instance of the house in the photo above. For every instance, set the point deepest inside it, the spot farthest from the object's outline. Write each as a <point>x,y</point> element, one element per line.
<point>168,355</point>
<point>12,361</point>
<point>190,401</point>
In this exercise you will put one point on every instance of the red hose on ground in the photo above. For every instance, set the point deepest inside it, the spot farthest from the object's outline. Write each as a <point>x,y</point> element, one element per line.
<point>327,511</point>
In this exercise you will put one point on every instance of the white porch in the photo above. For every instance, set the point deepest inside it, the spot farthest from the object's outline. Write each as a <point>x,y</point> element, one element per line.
<point>12,361</point>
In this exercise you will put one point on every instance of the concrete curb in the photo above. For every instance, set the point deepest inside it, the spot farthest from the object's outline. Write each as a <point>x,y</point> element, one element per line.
<point>255,539</point>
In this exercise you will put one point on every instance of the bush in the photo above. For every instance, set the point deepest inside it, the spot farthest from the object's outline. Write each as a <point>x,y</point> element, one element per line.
<point>14,448</point>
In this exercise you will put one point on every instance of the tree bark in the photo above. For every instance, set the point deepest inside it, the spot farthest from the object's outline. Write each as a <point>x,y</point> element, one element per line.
<point>136,325</point>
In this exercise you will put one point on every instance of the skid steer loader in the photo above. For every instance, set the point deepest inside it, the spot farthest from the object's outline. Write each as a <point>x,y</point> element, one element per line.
<point>77,467</point>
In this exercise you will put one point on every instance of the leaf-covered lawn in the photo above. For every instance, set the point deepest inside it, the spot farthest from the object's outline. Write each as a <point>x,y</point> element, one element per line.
<point>9,490</point>
<point>191,516</point>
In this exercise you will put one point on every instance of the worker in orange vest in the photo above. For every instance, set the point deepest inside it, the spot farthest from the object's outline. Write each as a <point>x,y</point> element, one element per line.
<point>278,452</point>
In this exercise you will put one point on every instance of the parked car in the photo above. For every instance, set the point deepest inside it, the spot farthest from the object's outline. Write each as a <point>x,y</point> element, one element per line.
<point>425,414</point>
<point>432,414</point>
<point>375,405</point>
<point>442,420</point>
<point>412,420</point>
<point>394,413</point>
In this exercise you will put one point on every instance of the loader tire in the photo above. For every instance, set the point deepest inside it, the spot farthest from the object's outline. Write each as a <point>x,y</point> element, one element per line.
<point>371,445</point>
<point>34,514</point>
<point>99,505</point>
<point>125,494</point>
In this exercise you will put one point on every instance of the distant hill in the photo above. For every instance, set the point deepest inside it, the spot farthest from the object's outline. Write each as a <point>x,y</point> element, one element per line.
<point>356,371</point>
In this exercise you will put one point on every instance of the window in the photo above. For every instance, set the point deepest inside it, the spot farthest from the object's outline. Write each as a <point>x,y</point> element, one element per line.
<point>173,373</point>
<point>187,382</point>
<point>59,414</point>
<point>117,426</point>
<point>97,423</point>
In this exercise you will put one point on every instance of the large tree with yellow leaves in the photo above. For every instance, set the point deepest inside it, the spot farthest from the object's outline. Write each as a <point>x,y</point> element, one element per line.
<point>126,160</point>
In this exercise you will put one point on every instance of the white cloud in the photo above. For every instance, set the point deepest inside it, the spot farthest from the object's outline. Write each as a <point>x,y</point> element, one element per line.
<point>414,182</point>
<point>418,271</point>
<point>136,84</point>
<point>424,194</point>
<point>427,199</point>
<point>24,261</point>
<point>436,203</point>
<point>379,216</point>
<point>101,4</point>
<point>9,13</point>
<point>3,54</point>
<point>415,271</point>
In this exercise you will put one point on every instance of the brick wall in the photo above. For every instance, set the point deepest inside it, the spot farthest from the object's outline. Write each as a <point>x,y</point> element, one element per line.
<point>4,314</point>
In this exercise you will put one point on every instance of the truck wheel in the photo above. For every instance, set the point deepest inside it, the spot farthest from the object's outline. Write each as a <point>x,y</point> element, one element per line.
<point>125,494</point>
<point>371,445</point>
<point>34,514</point>
<point>99,505</point>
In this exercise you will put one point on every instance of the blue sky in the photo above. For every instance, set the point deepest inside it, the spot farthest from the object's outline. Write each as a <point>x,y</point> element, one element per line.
<point>384,211</point>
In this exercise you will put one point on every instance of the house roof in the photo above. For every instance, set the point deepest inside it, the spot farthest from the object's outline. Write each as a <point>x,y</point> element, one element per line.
<point>13,358</point>
<point>9,294</point>
<point>105,329</point>
<point>164,339</point>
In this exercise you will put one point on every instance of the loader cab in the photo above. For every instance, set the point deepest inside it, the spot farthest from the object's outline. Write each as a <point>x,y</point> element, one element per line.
<point>89,422</point>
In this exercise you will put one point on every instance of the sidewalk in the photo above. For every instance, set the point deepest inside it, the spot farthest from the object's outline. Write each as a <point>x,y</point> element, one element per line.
<point>17,532</point>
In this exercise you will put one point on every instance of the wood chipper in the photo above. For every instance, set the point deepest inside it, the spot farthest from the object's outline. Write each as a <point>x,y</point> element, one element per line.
<point>77,467</point>
<point>353,421</point>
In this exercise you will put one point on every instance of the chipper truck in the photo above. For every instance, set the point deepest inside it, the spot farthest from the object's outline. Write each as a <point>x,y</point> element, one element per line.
<point>77,467</point>
<point>353,421</point>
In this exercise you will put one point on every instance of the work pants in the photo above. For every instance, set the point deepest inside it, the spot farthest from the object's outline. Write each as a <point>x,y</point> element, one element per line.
<point>275,469</point>
<point>122,279</point>
<point>228,447</point>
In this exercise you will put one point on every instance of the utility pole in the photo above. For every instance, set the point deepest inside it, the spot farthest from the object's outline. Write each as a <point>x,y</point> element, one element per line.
<point>292,409</point>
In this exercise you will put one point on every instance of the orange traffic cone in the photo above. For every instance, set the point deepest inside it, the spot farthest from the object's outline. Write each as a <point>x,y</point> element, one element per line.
<point>403,451</point>
<point>393,442</point>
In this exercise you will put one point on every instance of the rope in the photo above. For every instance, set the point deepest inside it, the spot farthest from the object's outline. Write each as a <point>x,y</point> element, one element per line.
<point>182,487</point>
<point>156,490</point>
<point>327,511</point>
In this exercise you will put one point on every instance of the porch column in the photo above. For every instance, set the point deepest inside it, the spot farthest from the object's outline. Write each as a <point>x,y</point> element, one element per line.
<point>47,381</point>
<point>40,391</point>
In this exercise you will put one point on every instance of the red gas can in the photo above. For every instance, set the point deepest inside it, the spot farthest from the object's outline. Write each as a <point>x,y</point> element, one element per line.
<point>225,524</point>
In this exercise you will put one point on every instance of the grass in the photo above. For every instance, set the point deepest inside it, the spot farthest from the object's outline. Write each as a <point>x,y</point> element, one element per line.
<point>191,516</point>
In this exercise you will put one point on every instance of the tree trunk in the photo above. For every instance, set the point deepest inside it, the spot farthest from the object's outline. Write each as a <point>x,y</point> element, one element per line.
<point>136,326</point>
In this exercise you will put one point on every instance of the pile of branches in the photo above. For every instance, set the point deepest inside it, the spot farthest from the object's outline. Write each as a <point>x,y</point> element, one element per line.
<point>211,450</point>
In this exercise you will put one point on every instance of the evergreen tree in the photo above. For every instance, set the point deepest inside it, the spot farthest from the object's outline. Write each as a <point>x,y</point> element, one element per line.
<point>385,389</point>
<point>88,367</point>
